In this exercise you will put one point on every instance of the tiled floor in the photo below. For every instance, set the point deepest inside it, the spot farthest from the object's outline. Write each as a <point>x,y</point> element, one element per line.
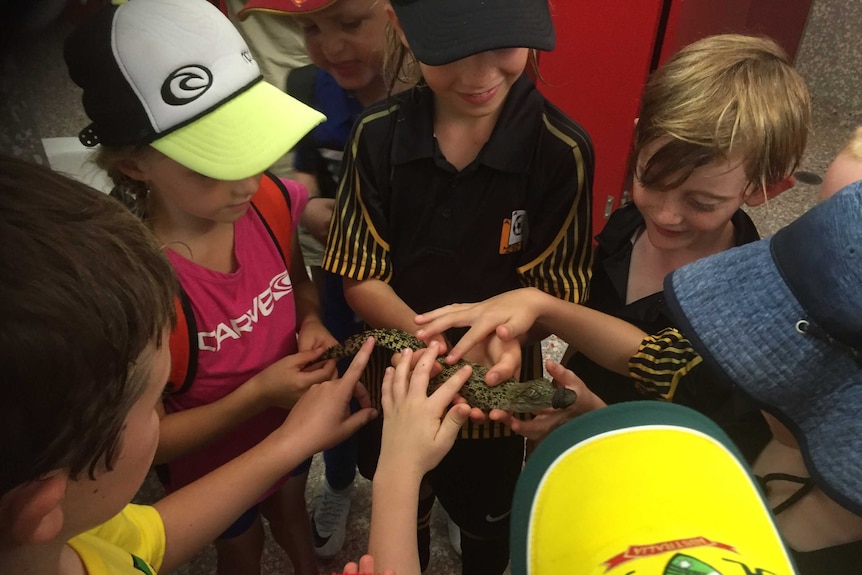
<point>38,101</point>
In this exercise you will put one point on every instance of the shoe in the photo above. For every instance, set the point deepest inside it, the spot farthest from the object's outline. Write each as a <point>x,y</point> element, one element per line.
<point>329,520</point>
<point>454,534</point>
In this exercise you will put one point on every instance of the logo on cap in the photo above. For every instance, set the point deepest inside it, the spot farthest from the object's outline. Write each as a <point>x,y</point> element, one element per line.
<point>186,84</point>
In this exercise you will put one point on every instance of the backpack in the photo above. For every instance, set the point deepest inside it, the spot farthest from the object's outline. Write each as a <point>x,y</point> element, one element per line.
<point>272,204</point>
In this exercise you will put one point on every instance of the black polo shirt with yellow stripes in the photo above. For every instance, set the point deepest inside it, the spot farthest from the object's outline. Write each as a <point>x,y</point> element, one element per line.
<point>518,215</point>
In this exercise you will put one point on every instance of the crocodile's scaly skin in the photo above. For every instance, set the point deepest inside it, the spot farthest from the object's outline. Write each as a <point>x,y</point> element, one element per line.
<point>511,395</point>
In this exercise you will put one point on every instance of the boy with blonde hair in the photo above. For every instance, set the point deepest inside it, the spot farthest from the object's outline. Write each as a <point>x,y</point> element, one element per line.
<point>722,123</point>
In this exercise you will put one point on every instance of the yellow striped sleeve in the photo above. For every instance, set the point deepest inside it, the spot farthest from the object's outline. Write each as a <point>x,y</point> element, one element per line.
<point>354,247</point>
<point>564,268</point>
<point>662,362</point>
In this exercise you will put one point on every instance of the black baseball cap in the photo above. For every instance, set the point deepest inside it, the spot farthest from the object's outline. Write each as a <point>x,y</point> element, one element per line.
<point>443,31</point>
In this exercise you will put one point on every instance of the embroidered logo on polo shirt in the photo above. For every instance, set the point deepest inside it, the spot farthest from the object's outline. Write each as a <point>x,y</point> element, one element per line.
<point>514,232</point>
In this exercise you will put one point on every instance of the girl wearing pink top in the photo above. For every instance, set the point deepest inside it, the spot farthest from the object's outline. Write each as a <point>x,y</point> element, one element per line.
<point>187,127</point>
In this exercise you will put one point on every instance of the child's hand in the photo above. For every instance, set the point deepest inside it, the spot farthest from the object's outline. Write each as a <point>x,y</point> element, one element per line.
<point>442,346</point>
<point>416,435</point>
<point>501,357</point>
<point>321,418</point>
<point>496,324</point>
<point>365,566</point>
<point>547,420</point>
<point>312,334</point>
<point>285,381</point>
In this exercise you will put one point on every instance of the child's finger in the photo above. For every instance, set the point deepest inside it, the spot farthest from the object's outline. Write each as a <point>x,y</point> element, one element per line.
<point>307,356</point>
<point>508,365</point>
<point>422,372</point>
<point>357,420</point>
<point>360,394</point>
<point>445,394</point>
<point>366,564</point>
<point>428,317</point>
<point>474,336</point>
<point>451,425</point>
<point>386,389</point>
<point>478,416</point>
<point>499,415</point>
<point>321,368</point>
<point>564,376</point>
<point>354,371</point>
<point>401,378</point>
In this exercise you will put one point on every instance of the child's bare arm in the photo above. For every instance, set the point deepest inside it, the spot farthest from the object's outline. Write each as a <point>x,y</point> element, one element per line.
<point>198,513</point>
<point>281,384</point>
<point>607,340</point>
<point>377,303</point>
<point>318,212</point>
<point>418,431</point>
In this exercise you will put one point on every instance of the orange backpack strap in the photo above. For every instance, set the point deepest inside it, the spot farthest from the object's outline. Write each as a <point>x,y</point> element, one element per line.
<point>272,204</point>
<point>183,346</point>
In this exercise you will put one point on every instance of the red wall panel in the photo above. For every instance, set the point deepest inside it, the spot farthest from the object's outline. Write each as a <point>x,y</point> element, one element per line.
<point>596,75</point>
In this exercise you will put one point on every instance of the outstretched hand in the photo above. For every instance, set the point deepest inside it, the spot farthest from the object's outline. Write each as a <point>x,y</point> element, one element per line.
<point>417,429</point>
<point>285,381</point>
<point>497,325</point>
<point>322,415</point>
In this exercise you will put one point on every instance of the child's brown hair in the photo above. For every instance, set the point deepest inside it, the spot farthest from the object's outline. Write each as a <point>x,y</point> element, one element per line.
<point>723,96</point>
<point>85,298</point>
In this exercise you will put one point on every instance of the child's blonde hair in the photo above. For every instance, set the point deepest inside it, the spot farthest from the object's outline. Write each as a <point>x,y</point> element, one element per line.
<point>130,192</point>
<point>723,96</point>
<point>853,147</point>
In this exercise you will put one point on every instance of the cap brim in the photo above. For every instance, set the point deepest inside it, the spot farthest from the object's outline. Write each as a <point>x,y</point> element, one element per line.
<point>242,137</point>
<point>283,7</point>
<point>443,31</point>
<point>740,314</point>
<point>641,487</point>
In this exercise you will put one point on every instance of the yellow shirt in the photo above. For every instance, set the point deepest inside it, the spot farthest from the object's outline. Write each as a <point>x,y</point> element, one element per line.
<point>131,543</point>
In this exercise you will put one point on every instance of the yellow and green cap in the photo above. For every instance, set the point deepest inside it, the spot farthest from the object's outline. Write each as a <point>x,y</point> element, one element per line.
<point>642,488</point>
<point>177,75</point>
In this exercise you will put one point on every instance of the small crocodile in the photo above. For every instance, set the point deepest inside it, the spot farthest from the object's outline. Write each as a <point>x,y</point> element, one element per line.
<point>511,395</point>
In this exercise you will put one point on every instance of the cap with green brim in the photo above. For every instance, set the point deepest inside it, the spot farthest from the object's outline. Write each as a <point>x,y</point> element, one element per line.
<point>177,75</point>
<point>642,487</point>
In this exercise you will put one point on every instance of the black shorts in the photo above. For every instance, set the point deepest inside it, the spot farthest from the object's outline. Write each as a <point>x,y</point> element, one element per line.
<point>475,482</point>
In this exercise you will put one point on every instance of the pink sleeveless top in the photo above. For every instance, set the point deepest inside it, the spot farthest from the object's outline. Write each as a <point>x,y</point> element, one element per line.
<point>246,320</point>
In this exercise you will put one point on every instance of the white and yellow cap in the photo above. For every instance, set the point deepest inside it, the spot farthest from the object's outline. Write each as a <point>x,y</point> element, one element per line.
<point>642,488</point>
<point>177,75</point>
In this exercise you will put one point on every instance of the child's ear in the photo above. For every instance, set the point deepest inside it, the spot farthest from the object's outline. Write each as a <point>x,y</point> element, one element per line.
<point>32,513</point>
<point>759,195</point>
<point>132,168</point>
